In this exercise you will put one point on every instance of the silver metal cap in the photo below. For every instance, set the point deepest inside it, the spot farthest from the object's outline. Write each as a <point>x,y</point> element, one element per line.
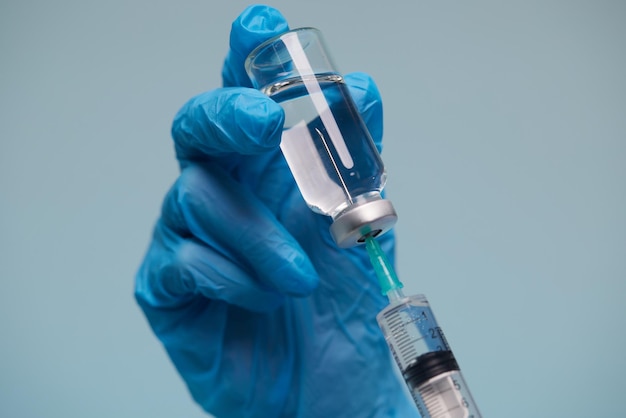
<point>369,218</point>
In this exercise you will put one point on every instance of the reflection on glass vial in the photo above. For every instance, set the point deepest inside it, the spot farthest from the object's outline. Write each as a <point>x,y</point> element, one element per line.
<point>329,150</point>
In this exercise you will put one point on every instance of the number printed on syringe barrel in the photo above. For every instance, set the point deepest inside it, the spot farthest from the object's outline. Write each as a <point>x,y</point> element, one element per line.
<point>426,360</point>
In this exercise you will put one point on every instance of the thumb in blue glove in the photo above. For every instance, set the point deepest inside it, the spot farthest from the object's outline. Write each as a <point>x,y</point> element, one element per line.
<point>261,313</point>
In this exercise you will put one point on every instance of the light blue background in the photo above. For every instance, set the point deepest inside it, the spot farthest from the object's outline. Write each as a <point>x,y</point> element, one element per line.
<point>506,151</point>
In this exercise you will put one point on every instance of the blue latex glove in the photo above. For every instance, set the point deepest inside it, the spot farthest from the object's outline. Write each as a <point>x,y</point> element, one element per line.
<point>261,313</point>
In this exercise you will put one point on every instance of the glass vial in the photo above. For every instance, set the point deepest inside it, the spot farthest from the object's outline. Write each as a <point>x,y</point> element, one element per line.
<point>325,141</point>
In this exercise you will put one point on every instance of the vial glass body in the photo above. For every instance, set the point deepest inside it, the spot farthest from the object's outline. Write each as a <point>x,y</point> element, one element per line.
<point>326,144</point>
<point>329,150</point>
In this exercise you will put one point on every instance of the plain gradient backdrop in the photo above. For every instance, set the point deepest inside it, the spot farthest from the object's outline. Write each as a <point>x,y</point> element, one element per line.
<point>505,133</point>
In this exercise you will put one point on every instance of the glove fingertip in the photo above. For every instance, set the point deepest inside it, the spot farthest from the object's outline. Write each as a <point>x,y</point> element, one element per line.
<point>259,118</point>
<point>239,120</point>
<point>255,25</point>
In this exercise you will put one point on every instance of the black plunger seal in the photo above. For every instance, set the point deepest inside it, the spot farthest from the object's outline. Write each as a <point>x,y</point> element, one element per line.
<point>428,366</point>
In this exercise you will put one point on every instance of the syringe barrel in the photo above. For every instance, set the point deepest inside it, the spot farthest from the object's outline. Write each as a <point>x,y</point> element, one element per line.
<point>425,359</point>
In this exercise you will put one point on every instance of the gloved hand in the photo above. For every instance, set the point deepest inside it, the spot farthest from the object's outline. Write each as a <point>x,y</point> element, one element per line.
<point>261,313</point>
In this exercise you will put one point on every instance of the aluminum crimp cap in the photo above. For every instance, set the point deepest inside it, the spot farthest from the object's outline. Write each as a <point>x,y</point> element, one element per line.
<point>369,218</point>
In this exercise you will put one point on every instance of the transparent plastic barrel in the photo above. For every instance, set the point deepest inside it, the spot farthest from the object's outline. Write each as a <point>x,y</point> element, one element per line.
<point>425,359</point>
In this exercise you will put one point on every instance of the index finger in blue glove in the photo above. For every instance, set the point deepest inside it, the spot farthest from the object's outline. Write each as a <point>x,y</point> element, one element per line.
<point>255,25</point>
<point>227,121</point>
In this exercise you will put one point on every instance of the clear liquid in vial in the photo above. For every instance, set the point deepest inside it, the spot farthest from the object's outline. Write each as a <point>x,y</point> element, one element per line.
<point>326,144</point>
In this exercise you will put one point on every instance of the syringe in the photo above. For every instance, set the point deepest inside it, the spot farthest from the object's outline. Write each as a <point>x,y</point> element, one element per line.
<point>337,168</point>
<point>420,348</point>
